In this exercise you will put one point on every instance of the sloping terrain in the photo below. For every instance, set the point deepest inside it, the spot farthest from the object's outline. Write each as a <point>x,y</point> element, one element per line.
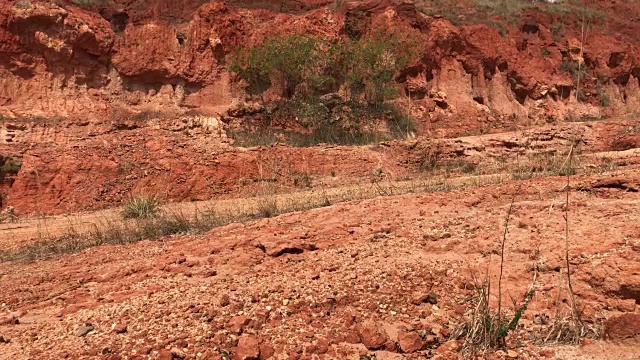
<point>520,161</point>
<point>395,276</point>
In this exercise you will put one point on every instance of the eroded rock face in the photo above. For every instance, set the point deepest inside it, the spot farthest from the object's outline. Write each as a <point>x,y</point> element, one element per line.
<point>71,61</point>
<point>123,76</point>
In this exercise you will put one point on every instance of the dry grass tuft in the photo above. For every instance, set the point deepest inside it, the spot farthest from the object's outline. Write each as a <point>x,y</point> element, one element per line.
<point>141,207</point>
<point>489,328</point>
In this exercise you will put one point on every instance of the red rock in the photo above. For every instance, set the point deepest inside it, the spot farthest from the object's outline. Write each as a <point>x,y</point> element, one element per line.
<point>209,273</point>
<point>248,348</point>
<point>587,341</point>
<point>409,341</point>
<point>430,298</point>
<point>390,346</point>
<point>178,354</point>
<point>547,353</point>
<point>430,339</point>
<point>622,327</point>
<point>322,346</point>
<point>165,354</point>
<point>449,346</point>
<point>351,337</point>
<point>310,349</point>
<point>120,328</point>
<point>372,335</point>
<point>266,351</point>
<point>9,320</point>
<point>237,324</point>
<point>224,300</point>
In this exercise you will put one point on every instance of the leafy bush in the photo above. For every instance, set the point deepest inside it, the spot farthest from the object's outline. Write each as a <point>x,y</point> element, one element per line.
<point>366,65</point>
<point>370,65</point>
<point>292,58</point>
<point>311,70</point>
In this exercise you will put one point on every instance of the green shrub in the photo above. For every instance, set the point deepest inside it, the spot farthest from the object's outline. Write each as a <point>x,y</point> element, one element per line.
<point>366,65</point>
<point>308,68</point>
<point>506,9</point>
<point>11,166</point>
<point>292,58</point>
<point>576,71</point>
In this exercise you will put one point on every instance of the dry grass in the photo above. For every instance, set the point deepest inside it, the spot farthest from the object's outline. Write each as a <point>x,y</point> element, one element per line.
<point>506,10</point>
<point>146,219</point>
<point>141,207</point>
<point>489,327</point>
<point>569,329</point>
<point>170,220</point>
<point>486,327</point>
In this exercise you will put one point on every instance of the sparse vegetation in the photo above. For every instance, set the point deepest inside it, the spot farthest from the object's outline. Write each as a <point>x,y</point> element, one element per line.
<point>291,59</point>
<point>569,329</point>
<point>605,101</point>
<point>146,221</point>
<point>108,231</point>
<point>90,3</point>
<point>24,4</point>
<point>488,327</point>
<point>509,10</point>
<point>10,166</point>
<point>506,9</point>
<point>267,207</point>
<point>578,73</point>
<point>141,207</point>
<point>310,70</point>
<point>353,123</point>
<point>367,65</point>
<point>571,67</point>
<point>556,30</point>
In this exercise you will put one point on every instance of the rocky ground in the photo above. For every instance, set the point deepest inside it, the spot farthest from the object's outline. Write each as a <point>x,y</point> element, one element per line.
<point>390,277</point>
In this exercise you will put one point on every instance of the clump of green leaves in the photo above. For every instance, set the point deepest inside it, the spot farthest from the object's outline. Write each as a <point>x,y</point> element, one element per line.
<point>289,58</point>
<point>573,68</point>
<point>366,66</point>
<point>370,65</point>
<point>487,329</point>
<point>10,166</point>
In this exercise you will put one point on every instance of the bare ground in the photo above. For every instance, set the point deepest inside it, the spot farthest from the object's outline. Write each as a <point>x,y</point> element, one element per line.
<point>332,281</point>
